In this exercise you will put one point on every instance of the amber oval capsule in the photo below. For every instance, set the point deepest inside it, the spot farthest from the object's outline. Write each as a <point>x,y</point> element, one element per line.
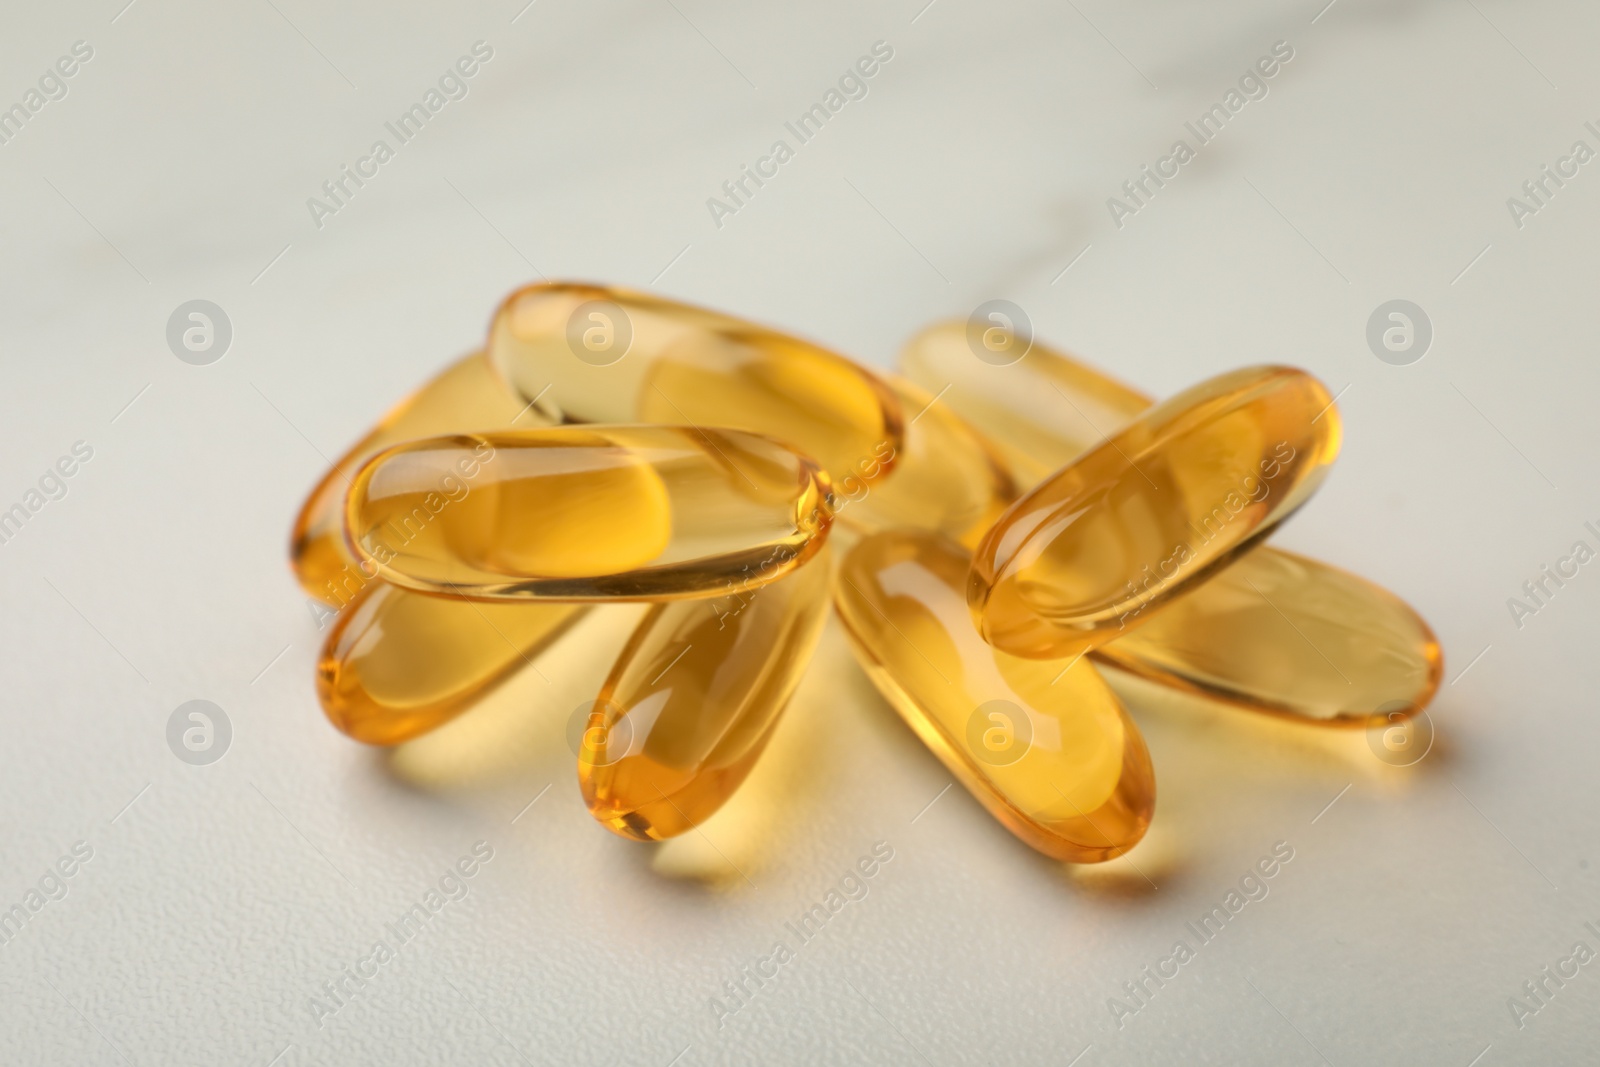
<point>1177,494</point>
<point>588,513</point>
<point>591,354</point>
<point>1044,745</point>
<point>468,395</point>
<point>947,477</point>
<point>397,664</point>
<point>693,700</point>
<point>1281,633</point>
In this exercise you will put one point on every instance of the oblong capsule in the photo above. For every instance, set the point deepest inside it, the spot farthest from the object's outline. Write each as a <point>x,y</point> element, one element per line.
<point>468,395</point>
<point>693,700</point>
<point>947,477</point>
<point>1227,638</point>
<point>1045,746</point>
<point>1282,633</point>
<point>1159,507</point>
<point>588,354</point>
<point>588,513</point>
<point>397,664</point>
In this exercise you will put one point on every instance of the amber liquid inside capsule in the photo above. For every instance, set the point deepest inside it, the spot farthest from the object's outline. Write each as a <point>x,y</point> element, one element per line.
<point>693,700</point>
<point>1273,632</point>
<point>1173,497</point>
<point>397,664</point>
<point>1043,744</point>
<point>947,477</point>
<point>591,354</point>
<point>467,395</point>
<point>588,513</point>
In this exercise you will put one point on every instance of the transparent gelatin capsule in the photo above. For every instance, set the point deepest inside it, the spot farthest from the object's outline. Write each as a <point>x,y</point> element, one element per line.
<point>592,354</point>
<point>1044,745</point>
<point>588,513</point>
<point>468,395</point>
<point>1169,500</point>
<point>1282,633</point>
<point>397,664</point>
<point>693,700</point>
<point>1273,632</point>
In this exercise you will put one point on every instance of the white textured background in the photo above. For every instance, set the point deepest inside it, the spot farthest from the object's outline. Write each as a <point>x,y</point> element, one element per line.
<point>220,898</point>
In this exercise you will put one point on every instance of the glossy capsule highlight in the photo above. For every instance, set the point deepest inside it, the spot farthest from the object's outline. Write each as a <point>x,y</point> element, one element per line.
<point>1168,501</point>
<point>1273,632</point>
<point>467,395</point>
<point>591,354</point>
<point>397,664</point>
<point>588,513</point>
<point>693,700</point>
<point>1044,745</point>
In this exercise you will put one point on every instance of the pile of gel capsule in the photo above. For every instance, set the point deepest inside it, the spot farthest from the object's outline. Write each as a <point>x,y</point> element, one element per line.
<point>1008,522</point>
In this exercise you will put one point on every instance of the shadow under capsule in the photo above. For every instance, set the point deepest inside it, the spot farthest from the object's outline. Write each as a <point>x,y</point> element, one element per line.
<point>1212,758</point>
<point>1222,740</point>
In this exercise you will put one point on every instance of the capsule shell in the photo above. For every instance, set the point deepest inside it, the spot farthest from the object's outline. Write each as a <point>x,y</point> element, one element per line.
<point>693,700</point>
<point>1044,745</point>
<point>588,513</point>
<point>468,395</point>
<point>591,354</point>
<point>947,478</point>
<point>397,664</point>
<point>1282,633</point>
<point>1274,632</point>
<point>1168,501</point>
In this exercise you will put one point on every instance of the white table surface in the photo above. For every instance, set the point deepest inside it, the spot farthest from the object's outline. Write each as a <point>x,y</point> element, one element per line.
<point>218,899</point>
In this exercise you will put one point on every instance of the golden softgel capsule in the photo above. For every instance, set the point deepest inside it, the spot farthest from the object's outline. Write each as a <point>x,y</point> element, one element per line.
<point>693,700</point>
<point>1044,745</point>
<point>1159,507</point>
<point>397,664</point>
<point>1281,633</point>
<point>1273,632</point>
<point>588,513</point>
<point>468,395</point>
<point>590,354</point>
